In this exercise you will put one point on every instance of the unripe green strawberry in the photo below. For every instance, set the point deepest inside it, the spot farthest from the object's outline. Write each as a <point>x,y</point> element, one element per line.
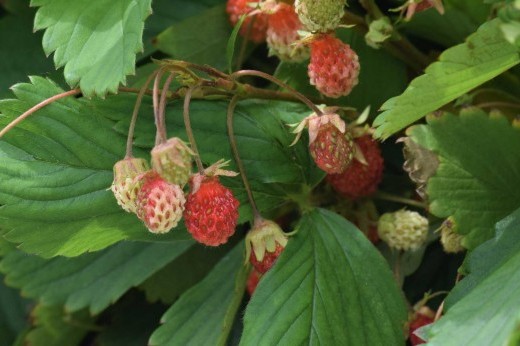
<point>320,15</point>
<point>451,241</point>
<point>264,243</point>
<point>403,229</point>
<point>330,144</point>
<point>124,187</point>
<point>172,160</point>
<point>159,203</point>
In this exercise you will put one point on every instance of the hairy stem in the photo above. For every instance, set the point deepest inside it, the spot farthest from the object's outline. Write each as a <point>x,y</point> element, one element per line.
<point>131,129</point>
<point>240,165</point>
<point>39,106</point>
<point>272,79</point>
<point>189,131</point>
<point>155,97</point>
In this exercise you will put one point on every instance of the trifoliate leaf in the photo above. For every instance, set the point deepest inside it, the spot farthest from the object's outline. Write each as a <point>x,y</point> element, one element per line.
<point>478,178</point>
<point>484,55</point>
<point>320,292</point>
<point>96,41</point>
<point>92,281</point>
<point>483,307</point>
<point>204,314</point>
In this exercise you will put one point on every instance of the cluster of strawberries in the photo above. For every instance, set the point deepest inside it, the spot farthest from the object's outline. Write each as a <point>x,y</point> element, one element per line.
<point>156,194</point>
<point>333,68</point>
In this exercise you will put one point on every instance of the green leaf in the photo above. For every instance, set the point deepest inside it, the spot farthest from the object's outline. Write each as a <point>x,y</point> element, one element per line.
<point>201,315</point>
<point>478,178</point>
<point>92,281</point>
<point>96,41</point>
<point>330,286</point>
<point>485,55</point>
<point>199,39</point>
<point>13,313</point>
<point>54,327</point>
<point>488,293</point>
<point>377,68</point>
<point>184,272</point>
<point>56,168</point>
<point>230,50</point>
<point>57,165</point>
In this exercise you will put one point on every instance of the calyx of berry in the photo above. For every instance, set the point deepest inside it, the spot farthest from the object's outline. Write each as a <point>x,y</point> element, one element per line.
<point>212,171</point>
<point>124,186</point>
<point>314,122</point>
<point>172,160</point>
<point>263,238</point>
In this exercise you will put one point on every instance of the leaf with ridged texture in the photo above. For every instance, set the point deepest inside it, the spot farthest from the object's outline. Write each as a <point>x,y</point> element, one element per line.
<point>484,309</point>
<point>96,41</point>
<point>200,39</point>
<point>478,178</point>
<point>202,315</point>
<point>55,327</point>
<point>56,168</point>
<point>330,286</point>
<point>92,281</point>
<point>484,55</point>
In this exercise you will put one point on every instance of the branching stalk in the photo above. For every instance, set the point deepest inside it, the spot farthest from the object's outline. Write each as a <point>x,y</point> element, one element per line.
<point>39,106</point>
<point>272,79</point>
<point>161,129</point>
<point>240,165</point>
<point>131,129</point>
<point>189,131</point>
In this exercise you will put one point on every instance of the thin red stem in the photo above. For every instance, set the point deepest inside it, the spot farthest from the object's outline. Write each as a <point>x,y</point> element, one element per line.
<point>39,106</point>
<point>240,165</point>
<point>189,131</point>
<point>131,129</point>
<point>155,98</point>
<point>272,79</point>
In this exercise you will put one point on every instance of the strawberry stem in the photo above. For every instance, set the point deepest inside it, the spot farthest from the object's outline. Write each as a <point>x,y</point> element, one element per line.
<point>189,130</point>
<point>155,98</point>
<point>274,80</point>
<point>161,136</point>
<point>240,165</point>
<point>138,101</point>
<point>392,198</point>
<point>39,106</point>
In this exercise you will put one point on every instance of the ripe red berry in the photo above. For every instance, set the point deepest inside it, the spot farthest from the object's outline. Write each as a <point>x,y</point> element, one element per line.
<point>159,203</point>
<point>332,150</point>
<point>211,212</point>
<point>268,261</point>
<point>360,179</point>
<point>282,34</point>
<point>419,321</point>
<point>330,144</point>
<point>334,66</point>
<point>258,22</point>
<point>252,282</point>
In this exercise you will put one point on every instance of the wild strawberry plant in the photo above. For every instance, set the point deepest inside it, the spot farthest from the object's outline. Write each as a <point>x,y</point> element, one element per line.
<point>277,172</point>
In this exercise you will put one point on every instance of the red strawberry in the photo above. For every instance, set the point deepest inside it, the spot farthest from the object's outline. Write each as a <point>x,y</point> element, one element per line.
<point>360,179</point>
<point>330,144</point>
<point>420,320</point>
<point>252,282</point>
<point>282,34</point>
<point>211,213</point>
<point>159,203</point>
<point>267,241</point>
<point>257,22</point>
<point>334,66</point>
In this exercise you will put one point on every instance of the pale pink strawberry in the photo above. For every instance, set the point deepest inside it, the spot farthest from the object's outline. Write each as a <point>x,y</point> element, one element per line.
<point>124,187</point>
